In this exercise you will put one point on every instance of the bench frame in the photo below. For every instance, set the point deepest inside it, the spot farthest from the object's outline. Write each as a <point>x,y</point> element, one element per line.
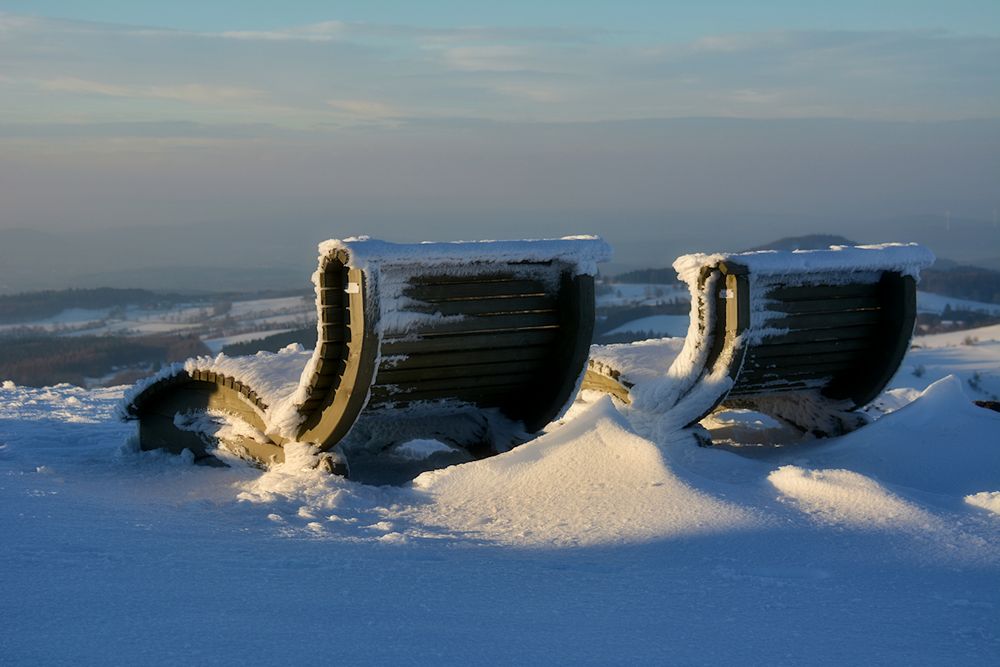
<point>767,355</point>
<point>349,358</point>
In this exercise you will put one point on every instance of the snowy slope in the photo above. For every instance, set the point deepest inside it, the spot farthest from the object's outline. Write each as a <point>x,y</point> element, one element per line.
<point>591,544</point>
<point>936,303</point>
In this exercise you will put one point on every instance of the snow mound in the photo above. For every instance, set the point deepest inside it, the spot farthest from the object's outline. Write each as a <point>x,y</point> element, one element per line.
<point>939,443</point>
<point>592,481</point>
<point>987,500</point>
<point>846,497</point>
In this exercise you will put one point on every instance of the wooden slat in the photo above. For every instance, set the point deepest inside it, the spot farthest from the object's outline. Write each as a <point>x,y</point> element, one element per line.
<point>333,279</point>
<point>462,371</point>
<point>484,277</point>
<point>333,315</point>
<point>819,292</point>
<point>486,396</point>
<point>494,305</point>
<point>485,323</point>
<point>751,376</point>
<point>331,350</point>
<point>826,320</point>
<point>769,349</point>
<point>333,333</point>
<point>436,293</point>
<point>803,361</point>
<point>455,384</point>
<point>759,389</point>
<point>825,305</point>
<point>814,335</point>
<point>466,357</point>
<point>471,342</point>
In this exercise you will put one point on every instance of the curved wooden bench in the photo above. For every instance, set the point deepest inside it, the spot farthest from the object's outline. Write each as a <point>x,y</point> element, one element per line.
<point>414,333</point>
<point>806,336</point>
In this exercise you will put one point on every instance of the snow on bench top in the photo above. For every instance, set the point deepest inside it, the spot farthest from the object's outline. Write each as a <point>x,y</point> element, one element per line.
<point>273,376</point>
<point>581,252</point>
<point>905,258</point>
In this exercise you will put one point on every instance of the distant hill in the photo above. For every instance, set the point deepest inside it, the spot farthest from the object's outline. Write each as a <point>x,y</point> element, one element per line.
<point>33,306</point>
<point>972,283</point>
<point>667,276</point>
<point>808,242</point>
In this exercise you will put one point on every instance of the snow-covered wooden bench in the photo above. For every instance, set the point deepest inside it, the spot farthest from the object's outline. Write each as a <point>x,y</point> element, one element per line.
<point>475,344</point>
<point>805,336</point>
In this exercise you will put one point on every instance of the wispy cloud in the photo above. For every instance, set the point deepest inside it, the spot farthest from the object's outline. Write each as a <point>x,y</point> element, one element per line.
<point>330,73</point>
<point>192,93</point>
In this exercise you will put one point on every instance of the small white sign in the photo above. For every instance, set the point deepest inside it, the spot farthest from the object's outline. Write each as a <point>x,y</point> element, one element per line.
<point>353,288</point>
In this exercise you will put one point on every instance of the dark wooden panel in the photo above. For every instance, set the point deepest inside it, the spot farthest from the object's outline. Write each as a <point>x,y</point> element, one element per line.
<point>824,305</point>
<point>471,342</point>
<point>484,323</point>
<point>474,290</point>
<point>466,357</point>
<point>496,305</point>
<point>819,292</point>
<point>833,320</point>
<point>467,370</point>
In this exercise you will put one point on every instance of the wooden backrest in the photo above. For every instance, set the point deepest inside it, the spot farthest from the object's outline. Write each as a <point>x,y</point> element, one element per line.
<point>844,338</point>
<point>841,332</point>
<point>504,332</point>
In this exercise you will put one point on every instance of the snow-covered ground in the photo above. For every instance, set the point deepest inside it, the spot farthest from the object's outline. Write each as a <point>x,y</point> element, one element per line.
<point>591,544</point>
<point>215,345</point>
<point>676,325</point>
<point>936,303</point>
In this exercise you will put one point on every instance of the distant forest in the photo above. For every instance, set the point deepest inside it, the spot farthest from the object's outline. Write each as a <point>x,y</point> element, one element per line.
<point>963,282</point>
<point>665,276</point>
<point>40,361</point>
<point>33,306</point>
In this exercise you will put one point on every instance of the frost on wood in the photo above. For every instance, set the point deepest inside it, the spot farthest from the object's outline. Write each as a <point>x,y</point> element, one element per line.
<point>282,382</point>
<point>907,259</point>
<point>581,252</point>
<point>681,386</point>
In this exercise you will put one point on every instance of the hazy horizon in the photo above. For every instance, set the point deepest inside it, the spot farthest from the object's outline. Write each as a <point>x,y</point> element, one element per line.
<point>248,132</point>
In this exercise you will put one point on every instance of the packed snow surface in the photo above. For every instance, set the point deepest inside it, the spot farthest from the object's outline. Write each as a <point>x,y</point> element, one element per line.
<point>602,541</point>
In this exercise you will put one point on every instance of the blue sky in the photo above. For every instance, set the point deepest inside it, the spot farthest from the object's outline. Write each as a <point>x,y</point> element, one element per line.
<point>641,18</point>
<point>132,113</point>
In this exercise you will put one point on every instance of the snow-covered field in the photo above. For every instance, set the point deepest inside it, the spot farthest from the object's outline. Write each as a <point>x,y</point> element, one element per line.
<point>661,325</point>
<point>591,544</point>
<point>676,325</point>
